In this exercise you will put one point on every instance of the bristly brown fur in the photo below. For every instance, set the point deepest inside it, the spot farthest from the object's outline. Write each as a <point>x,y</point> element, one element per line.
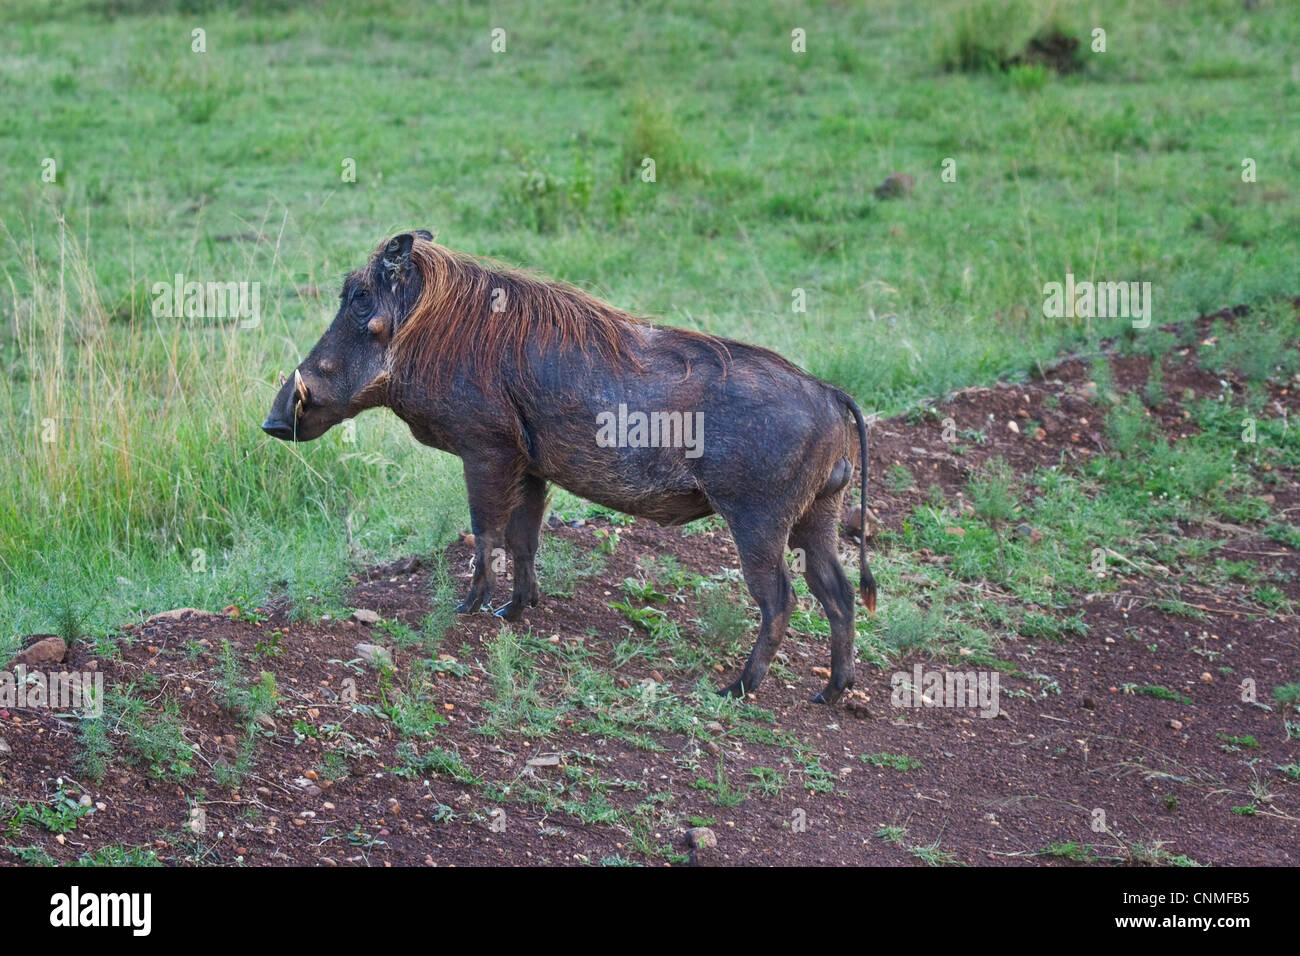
<point>452,327</point>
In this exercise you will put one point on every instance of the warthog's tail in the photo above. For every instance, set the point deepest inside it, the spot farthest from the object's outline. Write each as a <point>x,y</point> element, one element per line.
<point>866,583</point>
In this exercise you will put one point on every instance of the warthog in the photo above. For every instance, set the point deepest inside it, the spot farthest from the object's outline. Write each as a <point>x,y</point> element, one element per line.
<point>530,381</point>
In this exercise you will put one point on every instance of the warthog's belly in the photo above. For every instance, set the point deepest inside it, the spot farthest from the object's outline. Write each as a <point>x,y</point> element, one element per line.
<point>670,508</point>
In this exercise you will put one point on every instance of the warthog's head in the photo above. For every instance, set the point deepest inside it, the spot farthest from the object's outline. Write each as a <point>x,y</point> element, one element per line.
<point>346,371</point>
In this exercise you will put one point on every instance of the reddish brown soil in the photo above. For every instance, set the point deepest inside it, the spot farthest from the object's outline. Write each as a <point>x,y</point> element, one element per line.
<point>988,791</point>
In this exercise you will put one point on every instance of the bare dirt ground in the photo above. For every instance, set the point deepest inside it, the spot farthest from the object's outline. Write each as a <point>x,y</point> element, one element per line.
<point>1076,769</point>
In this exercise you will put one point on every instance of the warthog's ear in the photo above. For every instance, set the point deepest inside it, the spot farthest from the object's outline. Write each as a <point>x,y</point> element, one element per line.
<point>397,259</point>
<point>424,234</point>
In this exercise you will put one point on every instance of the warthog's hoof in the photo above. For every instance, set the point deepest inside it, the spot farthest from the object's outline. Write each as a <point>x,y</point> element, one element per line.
<point>830,694</point>
<point>509,612</point>
<point>468,607</point>
<point>734,689</point>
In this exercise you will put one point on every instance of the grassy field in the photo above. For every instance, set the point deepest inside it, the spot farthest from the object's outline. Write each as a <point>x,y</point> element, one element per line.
<point>138,478</point>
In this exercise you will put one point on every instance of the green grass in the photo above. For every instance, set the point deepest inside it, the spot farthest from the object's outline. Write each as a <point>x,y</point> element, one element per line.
<point>1156,691</point>
<point>156,487</point>
<point>892,761</point>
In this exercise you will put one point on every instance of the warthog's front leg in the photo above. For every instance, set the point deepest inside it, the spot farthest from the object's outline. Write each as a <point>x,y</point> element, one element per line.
<point>490,482</point>
<point>522,533</point>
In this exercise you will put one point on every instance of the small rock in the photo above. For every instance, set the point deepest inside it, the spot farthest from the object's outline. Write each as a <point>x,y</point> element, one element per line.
<point>48,650</point>
<point>84,800</point>
<point>894,186</point>
<point>4,746</point>
<point>374,654</point>
<point>701,838</point>
<point>1012,426</point>
<point>853,520</point>
<point>858,708</point>
<point>1175,725</point>
<point>545,760</point>
<point>714,727</point>
<point>1207,677</point>
<point>365,616</point>
<point>1089,391</point>
<point>179,614</point>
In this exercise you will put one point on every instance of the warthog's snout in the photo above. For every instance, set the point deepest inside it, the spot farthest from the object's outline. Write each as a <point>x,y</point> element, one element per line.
<point>277,428</point>
<point>288,408</point>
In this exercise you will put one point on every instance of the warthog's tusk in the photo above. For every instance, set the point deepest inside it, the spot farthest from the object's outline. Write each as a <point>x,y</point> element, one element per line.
<point>300,388</point>
<point>282,378</point>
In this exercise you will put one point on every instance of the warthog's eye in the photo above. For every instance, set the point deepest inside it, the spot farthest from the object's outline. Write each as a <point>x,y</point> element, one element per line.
<point>362,303</point>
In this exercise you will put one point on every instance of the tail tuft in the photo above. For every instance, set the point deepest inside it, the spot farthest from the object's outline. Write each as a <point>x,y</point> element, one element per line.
<point>868,588</point>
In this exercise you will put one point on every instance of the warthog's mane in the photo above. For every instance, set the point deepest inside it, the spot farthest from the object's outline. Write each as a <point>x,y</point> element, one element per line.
<point>477,318</point>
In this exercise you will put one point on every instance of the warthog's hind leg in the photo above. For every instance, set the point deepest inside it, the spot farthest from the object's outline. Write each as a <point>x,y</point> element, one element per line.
<point>815,534</point>
<point>762,558</point>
